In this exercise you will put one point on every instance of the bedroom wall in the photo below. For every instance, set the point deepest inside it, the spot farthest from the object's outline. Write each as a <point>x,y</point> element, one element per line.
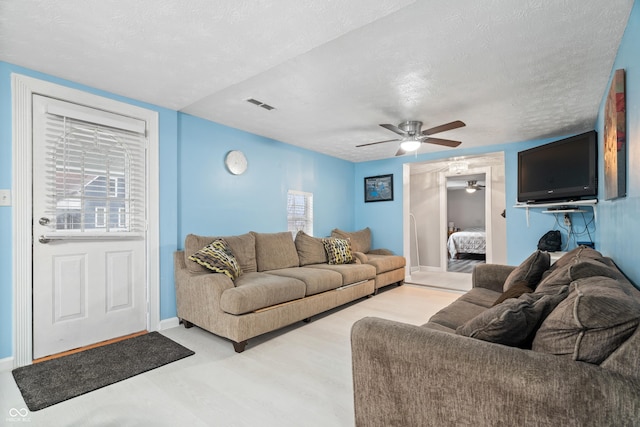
<point>464,209</point>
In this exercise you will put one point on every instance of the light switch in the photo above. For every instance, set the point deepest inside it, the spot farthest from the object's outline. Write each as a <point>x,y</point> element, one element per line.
<point>5,197</point>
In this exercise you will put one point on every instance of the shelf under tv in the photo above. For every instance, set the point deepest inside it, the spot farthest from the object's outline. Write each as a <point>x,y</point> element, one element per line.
<point>561,207</point>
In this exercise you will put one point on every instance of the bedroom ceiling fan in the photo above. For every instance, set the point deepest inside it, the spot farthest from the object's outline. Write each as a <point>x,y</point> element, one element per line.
<point>473,186</point>
<point>413,136</point>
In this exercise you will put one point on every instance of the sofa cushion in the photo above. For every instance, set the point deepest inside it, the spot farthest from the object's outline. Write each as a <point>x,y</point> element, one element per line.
<point>243,247</point>
<point>480,296</point>
<point>515,291</point>
<point>217,257</point>
<point>514,321</point>
<point>530,270</point>
<point>360,240</point>
<point>338,250</point>
<point>315,280</point>
<point>310,249</point>
<point>580,252</point>
<point>275,251</point>
<point>579,268</point>
<point>455,314</point>
<point>594,320</point>
<point>351,273</point>
<point>384,263</point>
<point>254,291</point>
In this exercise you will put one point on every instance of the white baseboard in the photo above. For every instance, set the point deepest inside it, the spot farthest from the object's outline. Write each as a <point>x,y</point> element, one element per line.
<point>172,322</point>
<point>6,364</point>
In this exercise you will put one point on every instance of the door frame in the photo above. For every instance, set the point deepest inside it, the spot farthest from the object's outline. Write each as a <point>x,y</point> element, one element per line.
<point>444,218</point>
<point>23,88</point>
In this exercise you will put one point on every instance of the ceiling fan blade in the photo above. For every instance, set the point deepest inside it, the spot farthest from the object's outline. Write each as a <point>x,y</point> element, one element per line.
<point>379,142</point>
<point>395,129</point>
<point>400,152</point>
<point>448,126</point>
<point>440,141</point>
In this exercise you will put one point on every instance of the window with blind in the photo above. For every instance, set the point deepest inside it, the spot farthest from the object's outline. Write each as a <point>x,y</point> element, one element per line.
<point>95,177</point>
<point>300,212</point>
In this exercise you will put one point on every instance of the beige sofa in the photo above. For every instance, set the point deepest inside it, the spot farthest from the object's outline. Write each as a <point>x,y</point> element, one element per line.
<point>282,282</point>
<point>566,354</point>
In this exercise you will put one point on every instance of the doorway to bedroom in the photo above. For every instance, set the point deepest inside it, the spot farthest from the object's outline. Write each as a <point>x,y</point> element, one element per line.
<point>466,222</point>
<point>427,212</point>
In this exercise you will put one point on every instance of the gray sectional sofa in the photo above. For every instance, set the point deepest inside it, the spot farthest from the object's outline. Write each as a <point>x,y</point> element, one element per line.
<point>566,352</point>
<point>282,281</point>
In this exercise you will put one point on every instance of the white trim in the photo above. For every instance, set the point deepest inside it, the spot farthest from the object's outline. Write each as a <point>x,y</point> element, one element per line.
<point>172,322</point>
<point>6,364</point>
<point>23,88</point>
<point>406,224</point>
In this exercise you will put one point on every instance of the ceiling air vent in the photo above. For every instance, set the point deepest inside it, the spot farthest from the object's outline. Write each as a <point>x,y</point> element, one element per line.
<point>260,104</point>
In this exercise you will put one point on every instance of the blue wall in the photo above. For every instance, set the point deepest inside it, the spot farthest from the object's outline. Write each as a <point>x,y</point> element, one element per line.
<point>618,230</point>
<point>215,202</point>
<point>197,195</point>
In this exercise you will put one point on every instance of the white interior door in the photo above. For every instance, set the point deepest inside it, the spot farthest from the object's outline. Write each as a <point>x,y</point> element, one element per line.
<point>89,226</point>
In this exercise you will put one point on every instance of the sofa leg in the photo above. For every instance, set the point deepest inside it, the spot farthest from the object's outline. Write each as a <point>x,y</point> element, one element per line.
<point>186,323</point>
<point>239,346</point>
<point>307,320</point>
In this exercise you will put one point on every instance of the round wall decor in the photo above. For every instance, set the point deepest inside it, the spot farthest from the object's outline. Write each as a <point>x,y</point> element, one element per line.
<point>236,162</point>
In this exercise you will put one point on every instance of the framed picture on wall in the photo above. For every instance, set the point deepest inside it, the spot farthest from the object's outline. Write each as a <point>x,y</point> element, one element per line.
<point>378,188</point>
<point>615,139</point>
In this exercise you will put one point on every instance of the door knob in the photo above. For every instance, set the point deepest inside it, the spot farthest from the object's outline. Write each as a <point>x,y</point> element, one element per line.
<point>44,221</point>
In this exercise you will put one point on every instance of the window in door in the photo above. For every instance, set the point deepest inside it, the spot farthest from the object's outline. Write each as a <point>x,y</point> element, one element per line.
<point>96,177</point>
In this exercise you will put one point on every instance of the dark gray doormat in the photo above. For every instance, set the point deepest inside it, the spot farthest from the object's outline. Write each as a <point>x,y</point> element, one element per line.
<point>53,381</point>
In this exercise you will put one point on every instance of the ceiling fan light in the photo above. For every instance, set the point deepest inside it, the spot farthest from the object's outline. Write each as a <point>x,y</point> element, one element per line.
<point>458,167</point>
<point>470,190</point>
<point>410,145</point>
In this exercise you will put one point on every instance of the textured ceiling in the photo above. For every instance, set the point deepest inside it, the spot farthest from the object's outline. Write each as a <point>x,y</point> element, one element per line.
<point>335,69</point>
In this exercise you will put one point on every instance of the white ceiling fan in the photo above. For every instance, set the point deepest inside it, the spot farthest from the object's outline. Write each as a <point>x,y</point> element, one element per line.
<point>413,136</point>
<point>473,186</point>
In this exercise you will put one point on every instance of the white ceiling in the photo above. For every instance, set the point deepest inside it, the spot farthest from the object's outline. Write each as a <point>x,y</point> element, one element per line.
<point>335,69</point>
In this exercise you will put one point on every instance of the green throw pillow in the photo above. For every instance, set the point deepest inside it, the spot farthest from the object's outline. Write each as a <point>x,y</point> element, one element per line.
<point>217,256</point>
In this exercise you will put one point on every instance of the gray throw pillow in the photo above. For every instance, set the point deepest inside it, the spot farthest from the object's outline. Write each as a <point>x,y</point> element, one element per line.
<point>514,321</point>
<point>591,323</point>
<point>530,271</point>
<point>514,291</point>
<point>580,268</point>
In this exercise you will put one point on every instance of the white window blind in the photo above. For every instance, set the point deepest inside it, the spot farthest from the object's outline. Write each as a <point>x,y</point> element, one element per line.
<point>300,212</point>
<point>95,177</point>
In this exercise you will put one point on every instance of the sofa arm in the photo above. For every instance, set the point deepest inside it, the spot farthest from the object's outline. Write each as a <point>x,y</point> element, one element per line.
<point>490,276</point>
<point>198,294</point>
<point>361,257</point>
<point>406,375</point>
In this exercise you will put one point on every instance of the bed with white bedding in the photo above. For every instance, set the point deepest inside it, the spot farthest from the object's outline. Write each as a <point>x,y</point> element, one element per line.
<point>469,241</point>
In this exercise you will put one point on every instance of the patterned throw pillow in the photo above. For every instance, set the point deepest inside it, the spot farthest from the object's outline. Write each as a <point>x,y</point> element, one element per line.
<point>217,256</point>
<point>338,250</point>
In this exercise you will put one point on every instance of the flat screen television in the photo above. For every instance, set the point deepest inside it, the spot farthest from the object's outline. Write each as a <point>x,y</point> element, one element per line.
<point>564,170</point>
